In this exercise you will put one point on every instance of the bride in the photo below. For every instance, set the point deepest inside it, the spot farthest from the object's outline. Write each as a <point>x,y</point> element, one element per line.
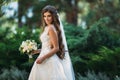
<point>53,62</point>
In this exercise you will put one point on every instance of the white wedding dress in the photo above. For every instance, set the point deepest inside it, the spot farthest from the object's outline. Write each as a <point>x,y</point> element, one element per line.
<point>52,68</point>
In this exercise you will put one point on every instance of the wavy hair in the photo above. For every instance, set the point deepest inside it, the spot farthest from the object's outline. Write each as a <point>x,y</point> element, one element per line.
<point>56,23</point>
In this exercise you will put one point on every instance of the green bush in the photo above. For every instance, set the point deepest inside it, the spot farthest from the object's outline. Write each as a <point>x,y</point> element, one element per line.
<point>105,60</point>
<point>91,75</point>
<point>80,40</point>
<point>96,48</point>
<point>13,74</point>
<point>117,78</point>
<point>85,47</point>
<point>10,44</point>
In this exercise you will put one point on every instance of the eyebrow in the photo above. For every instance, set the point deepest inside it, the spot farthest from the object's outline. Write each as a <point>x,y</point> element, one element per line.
<point>47,15</point>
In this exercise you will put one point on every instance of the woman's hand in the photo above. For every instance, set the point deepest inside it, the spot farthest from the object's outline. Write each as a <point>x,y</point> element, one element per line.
<point>36,51</point>
<point>40,60</point>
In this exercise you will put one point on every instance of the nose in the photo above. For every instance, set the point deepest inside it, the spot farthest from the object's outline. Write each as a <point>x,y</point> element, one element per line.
<point>46,18</point>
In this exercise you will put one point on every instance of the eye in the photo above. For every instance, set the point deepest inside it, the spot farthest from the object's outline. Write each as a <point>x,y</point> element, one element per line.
<point>44,16</point>
<point>49,15</point>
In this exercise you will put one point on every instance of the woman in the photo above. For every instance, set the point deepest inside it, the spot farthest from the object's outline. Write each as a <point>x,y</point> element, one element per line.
<point>53,62</point>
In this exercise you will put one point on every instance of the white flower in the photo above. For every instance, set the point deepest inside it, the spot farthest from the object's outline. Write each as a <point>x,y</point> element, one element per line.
<point>27,46</point>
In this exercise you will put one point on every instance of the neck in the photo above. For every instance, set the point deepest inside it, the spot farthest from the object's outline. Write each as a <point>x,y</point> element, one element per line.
<point>49,24</point>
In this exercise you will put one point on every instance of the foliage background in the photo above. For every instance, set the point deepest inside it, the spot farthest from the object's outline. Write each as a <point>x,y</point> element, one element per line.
<point>91,28</point>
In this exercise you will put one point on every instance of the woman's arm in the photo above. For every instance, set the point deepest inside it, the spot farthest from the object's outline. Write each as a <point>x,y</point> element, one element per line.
<point>54,41</point>
<point>36,51</point>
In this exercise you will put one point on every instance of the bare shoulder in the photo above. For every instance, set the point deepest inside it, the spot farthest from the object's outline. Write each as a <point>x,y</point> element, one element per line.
<point>51,29</point>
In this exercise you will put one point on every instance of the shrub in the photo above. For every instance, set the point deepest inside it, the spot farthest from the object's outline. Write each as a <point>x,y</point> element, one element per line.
<point>91,75</point>
<point>13,74</point>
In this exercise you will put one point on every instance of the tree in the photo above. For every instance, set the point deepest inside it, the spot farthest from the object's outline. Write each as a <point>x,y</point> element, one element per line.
<point>71,10</point>
<point>22,9</point>
<point>68,6</point>
<point>105,8</point>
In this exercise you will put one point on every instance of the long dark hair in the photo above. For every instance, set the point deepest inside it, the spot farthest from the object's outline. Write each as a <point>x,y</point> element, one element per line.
<point>56,23</point>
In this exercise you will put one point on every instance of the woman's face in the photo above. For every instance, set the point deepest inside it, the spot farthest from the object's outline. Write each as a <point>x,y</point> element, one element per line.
<point>47,18</point>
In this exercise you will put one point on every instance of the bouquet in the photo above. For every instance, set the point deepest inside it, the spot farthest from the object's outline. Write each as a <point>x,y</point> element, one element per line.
<point>27,47</point>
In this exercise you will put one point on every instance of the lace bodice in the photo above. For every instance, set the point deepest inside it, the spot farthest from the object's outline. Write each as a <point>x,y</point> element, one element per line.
<point>45,39</point>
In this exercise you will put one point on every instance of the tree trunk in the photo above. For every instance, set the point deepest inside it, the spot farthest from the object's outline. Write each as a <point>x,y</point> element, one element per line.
<point>72,16</point>
<point>20,14</point>
<point>72,12</point>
